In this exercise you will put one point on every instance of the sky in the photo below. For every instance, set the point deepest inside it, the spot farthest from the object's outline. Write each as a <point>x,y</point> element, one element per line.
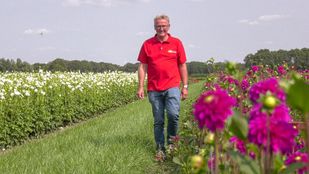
<point>112,31</point>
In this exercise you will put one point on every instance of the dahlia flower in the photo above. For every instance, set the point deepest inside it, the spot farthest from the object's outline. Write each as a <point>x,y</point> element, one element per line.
<point>279,113</point>
<point>298,157</point>
<point>245,84</point>
<point>212,109</point>
<point>255,68</point>
<point>281,70</point>
<point>282,133</point>
<point>240,146</point>
<point>271,85</point>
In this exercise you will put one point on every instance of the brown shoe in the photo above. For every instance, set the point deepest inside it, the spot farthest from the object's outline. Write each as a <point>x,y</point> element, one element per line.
<point>160,156</point>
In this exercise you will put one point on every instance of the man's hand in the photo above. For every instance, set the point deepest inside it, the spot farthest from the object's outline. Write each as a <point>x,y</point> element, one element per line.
<point>140,93</point>
<point>142,70</point>
<point>184,93</point>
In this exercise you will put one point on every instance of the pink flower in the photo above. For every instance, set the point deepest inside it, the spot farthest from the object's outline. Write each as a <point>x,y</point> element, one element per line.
<point>262,87</point>
<point>252,155</point>
<point>229,79</point>
<point>281,70</point>
<point>298,157</point>
<point>211,163</point>
<point>300,144</point>
<point>212,109</point>
<point>255,68</point>
<point>245,84</point>
<point>280,113</point>
<point>270,71</point>
<point>282,133</point>
<point>238,144</point>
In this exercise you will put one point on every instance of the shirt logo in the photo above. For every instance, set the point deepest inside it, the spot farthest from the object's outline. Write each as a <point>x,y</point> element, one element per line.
<point>172,51</point>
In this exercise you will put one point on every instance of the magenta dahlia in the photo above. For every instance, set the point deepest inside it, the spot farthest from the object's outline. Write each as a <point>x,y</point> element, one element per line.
<point>245,84</point>
<point>239,144</point>
<point>298,157</point>
<point>271,85</point>
<point>255,68</point>
<point>212,109</point>
<point>282,133</point>
<point>280,113</point>
<point>281,70</point>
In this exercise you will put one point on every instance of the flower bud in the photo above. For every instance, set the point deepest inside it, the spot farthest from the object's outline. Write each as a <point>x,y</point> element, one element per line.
<point>209,99</point>
<point>269,102</point>
<point>209,139</point>
<point>197,162</point>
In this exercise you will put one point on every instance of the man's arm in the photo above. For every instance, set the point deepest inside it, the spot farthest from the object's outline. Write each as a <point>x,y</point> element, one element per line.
<point>142,71</point>
<point>184,78</point>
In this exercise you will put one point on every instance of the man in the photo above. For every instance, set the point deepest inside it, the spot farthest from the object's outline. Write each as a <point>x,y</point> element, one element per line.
<point>163,58</point>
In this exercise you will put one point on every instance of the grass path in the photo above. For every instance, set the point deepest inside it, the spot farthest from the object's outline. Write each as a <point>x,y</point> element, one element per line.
<point>119,141</point>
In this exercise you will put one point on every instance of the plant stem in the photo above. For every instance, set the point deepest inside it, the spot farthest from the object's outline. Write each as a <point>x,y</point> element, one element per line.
<point>216,152</point>
<point>267,154</point>
<point>261,159</point>
<point>306,122</point>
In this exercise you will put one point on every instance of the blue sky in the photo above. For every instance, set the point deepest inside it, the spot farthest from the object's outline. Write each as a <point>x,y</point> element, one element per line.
<point>113,30</point>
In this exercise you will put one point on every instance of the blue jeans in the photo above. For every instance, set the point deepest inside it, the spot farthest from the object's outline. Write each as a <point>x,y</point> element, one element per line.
<point>168,100</point>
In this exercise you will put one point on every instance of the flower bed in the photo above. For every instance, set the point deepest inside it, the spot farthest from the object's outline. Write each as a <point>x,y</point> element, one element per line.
<point>32,104</point>
<point>250,122</point>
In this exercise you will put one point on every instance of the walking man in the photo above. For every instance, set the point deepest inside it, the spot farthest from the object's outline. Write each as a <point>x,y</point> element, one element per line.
<point>162,57</point>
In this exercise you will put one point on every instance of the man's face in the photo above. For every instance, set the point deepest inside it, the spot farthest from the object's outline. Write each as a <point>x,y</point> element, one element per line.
<point>161,26</point>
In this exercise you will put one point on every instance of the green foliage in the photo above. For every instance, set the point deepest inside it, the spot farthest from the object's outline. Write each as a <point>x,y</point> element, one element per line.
<point>299,58</point>
<point>291,168</point>
<point>33,104</point>
<point>246,165</point>
<point>231,68</point>
<point>118,141</point>
<point>238,125</point>
<point>239,155</point>
<point>298,95</point>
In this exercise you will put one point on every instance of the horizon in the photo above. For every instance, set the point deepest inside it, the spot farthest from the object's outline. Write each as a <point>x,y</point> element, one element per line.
<point>15,59</point>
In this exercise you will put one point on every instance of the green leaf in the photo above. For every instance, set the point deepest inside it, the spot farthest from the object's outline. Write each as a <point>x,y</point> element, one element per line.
<point>298,95</point>
<point>177,161</point>
<point>246,164</point>
<point>239,125</point>
<point>278,162</point>
<point>292,168</point>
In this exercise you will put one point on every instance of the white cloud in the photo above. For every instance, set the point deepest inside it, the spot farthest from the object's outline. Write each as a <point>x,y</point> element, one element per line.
<point>103,3</point>
<point>248,22</point>
<point>28,31</point>
<point>253,22</point>
<point>262,19</point>
<point>39,31</point>
<point>271,17</point>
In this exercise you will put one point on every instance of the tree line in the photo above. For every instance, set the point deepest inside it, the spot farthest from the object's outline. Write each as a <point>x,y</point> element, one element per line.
<point>299,58</point>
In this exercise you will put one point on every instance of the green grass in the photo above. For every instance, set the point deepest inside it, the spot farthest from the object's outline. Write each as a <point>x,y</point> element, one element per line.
<point>119,141</point>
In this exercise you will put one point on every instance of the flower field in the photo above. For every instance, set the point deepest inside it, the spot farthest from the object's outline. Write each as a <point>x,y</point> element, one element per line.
<point>32,104</point>
<point>248,122</point>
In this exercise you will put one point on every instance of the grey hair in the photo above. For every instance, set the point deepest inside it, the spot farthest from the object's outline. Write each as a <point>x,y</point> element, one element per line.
<point>162,16</point>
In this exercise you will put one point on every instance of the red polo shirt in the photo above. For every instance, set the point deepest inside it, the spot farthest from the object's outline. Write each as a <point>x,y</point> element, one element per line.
<point>163,59</point>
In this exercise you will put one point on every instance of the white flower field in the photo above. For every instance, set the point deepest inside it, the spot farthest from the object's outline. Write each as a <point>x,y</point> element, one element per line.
<point>35,103</point>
